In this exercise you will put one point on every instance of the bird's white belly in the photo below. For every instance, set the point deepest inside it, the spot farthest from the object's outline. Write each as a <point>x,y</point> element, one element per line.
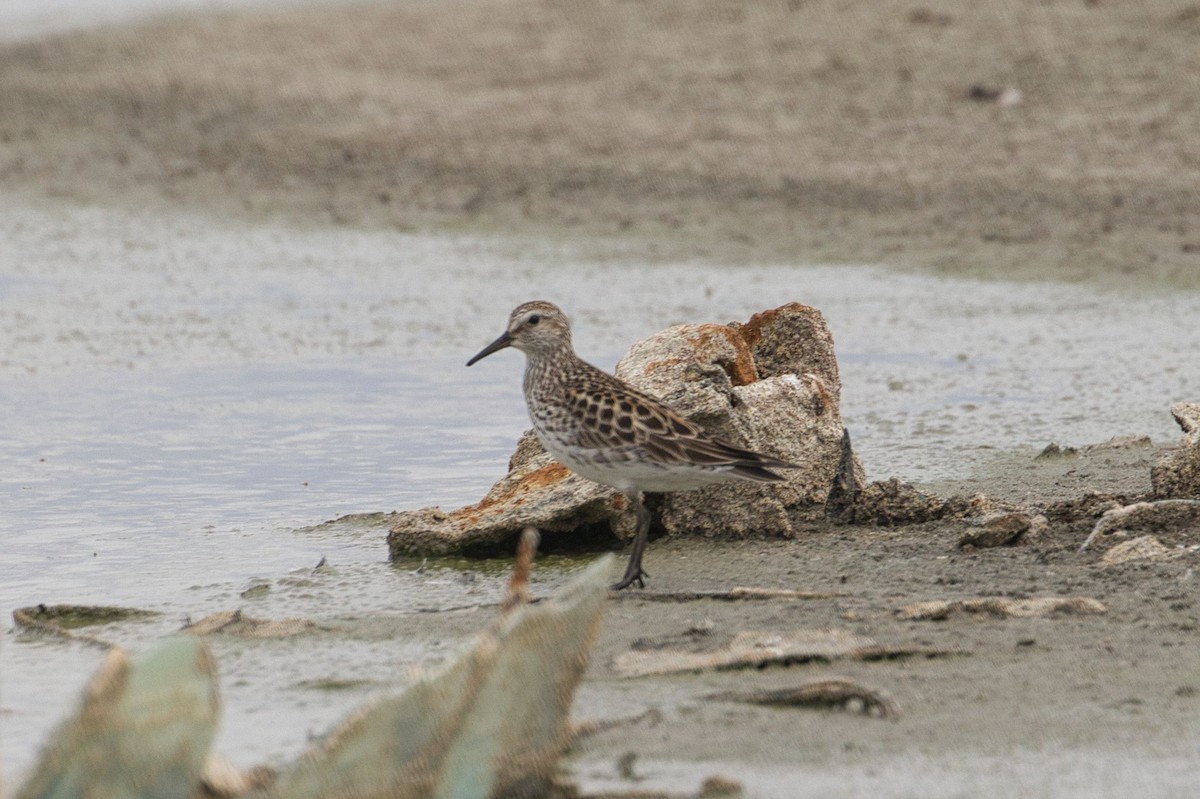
<point>628,469</point>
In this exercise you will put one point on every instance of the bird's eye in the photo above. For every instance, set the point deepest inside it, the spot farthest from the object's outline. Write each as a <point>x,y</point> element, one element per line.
<point>533,320</point>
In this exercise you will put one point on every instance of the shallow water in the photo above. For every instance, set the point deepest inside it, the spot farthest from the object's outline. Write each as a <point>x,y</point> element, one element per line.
<point>27,18</point>
<point>185,397</point>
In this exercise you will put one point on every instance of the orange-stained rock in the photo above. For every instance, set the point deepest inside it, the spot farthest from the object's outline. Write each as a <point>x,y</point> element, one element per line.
<point>792,339</point>
<point>539,493</point>
<point>714,343</point>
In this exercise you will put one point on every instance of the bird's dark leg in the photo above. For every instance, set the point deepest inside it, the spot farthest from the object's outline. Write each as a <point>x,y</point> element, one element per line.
<point>633,571</point>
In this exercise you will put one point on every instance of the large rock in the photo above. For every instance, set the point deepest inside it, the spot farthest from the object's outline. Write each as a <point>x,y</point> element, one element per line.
<point>537,492</point>
<point>1177,475</point>
<point>711,374</point>
<point>770,384</point>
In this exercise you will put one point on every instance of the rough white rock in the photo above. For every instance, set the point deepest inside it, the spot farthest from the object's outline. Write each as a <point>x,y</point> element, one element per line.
<point>1142,548</point>
<point>1175,517</point>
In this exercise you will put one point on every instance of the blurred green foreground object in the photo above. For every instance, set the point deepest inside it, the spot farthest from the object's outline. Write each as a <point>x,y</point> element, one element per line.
<point>493,724</point>
<point>142,729</point>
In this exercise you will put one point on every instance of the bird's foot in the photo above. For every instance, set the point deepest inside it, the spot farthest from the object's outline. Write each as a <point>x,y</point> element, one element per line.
<point>633,574</point>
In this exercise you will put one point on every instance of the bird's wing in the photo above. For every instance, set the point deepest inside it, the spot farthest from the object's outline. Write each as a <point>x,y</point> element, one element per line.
<point>614,415</point>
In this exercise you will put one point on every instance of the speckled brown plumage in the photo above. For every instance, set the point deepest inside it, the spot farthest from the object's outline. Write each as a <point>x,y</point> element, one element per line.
<point>610,432</point>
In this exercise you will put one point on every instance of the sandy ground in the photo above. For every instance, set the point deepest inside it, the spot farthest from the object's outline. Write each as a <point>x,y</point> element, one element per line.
<point>1067,705</point>
<point>802,131</point>
<point>797,131</point>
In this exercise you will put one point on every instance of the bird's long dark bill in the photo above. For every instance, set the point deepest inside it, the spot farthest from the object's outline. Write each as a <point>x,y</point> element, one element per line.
<point>496,345</point>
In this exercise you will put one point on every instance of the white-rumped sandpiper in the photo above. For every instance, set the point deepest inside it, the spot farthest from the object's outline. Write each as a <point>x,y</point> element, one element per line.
<point>608,431</point>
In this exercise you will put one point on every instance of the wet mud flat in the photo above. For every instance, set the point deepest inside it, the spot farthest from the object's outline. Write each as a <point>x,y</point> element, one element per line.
<point>1103,701</point>
<point>1074,700</point>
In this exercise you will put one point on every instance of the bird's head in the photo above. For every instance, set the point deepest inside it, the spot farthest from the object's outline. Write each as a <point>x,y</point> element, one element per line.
<point>535,328</point>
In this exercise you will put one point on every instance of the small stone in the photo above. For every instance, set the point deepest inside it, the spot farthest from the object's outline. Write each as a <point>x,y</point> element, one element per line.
<point>1145,547</point>
<point>625,766</point>
<point>258,589</point>
<point>720,786</point>
<point>1176,517</point>
<point>1038,525</point>
<point>222,779</point>
<point>893,502</point>
<point>1053,450</point>
<point>998,529</point>
<point>1004,96</point>
<point>748,649</point>
<point>1002,607</point>
<point>1121,442</point>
